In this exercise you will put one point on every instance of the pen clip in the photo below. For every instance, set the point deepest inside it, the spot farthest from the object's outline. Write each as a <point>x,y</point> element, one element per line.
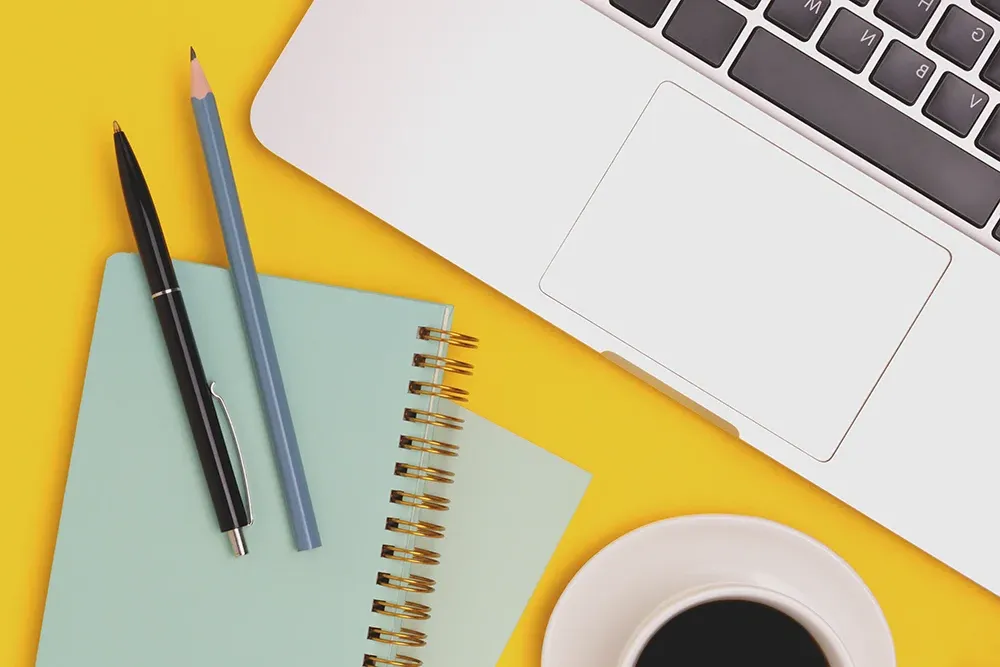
<point>239,450</point>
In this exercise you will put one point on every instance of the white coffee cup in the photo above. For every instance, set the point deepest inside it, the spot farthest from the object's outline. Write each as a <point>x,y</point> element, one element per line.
<point>831,645</point>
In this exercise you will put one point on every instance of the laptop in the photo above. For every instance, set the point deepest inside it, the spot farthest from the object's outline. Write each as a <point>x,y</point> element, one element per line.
<point>782,213</point>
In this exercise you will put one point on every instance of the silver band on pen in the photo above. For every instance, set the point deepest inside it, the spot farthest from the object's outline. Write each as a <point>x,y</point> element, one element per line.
<point>166,291</point>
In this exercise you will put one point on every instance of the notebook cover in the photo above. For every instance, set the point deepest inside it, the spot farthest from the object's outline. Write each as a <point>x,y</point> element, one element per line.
<point>141,574</point>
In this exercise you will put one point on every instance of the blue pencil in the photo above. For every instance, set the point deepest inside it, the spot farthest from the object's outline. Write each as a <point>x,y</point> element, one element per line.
<point>244,273</point>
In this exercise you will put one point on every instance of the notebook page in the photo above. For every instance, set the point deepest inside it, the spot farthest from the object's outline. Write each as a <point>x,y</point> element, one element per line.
<point>511,504</point>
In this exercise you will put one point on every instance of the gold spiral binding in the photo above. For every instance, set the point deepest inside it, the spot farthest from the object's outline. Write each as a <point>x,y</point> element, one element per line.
<point>424,501</point>
<point>411,584</point>
<point>430,446</point>
<point>433,419</point>
<point>456,394</point>
<point>415,555</point>
<point>425,473</point>
<point>413,611</point>
<point>450,337</point>
<point>443,363</point>
<point>400,661</point>
<point>413,527</point>
<point>404,637</point>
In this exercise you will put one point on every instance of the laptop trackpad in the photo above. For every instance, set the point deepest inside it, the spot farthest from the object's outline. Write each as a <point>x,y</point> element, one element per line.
<point>745,271</point>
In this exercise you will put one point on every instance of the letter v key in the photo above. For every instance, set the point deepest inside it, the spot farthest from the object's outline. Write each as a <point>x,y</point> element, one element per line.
<point>955,104</point>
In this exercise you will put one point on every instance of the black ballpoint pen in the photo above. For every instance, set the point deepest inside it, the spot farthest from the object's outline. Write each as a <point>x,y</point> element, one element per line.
<point>179,339</point>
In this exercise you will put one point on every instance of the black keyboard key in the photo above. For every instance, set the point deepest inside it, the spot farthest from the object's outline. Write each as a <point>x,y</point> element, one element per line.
<point>902,72</point>
<point>867,126</point>
<point>960,37</point>
<point>991,7</point>
<point>798,17</point>
<point>752,4</point>
<point>861,3</point>
<point>991,73</point>
<point>850,40</point>
<point>910,16</point>
<point>989,139</point>
<point>646,12</point>
<point>705,28</point>
<point>955,104</point>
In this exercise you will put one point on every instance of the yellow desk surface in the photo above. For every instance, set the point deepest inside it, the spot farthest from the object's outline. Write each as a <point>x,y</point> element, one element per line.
<point>71,67</point>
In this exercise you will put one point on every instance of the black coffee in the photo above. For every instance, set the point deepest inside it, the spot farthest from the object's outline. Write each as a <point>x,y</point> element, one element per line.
<point>732,633</point>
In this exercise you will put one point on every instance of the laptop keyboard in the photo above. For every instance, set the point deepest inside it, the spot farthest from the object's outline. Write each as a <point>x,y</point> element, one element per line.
<point>822,72</point>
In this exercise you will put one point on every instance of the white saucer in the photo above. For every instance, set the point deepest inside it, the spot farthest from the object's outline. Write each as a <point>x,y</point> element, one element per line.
<point>622,584</point>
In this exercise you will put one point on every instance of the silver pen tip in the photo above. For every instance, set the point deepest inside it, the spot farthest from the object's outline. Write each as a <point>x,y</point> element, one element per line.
<point>238,542</point>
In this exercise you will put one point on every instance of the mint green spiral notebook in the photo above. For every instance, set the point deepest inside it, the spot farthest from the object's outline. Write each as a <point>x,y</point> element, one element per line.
<point>141,574</point>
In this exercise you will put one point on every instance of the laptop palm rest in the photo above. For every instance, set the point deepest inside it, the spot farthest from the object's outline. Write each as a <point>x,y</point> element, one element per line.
<point>723,258</point>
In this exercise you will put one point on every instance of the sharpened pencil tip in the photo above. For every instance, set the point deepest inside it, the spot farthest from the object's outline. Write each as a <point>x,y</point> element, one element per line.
<point>118,128</point>
<point>193,54</point>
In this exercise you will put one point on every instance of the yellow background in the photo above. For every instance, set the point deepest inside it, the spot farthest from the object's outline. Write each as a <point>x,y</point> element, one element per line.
<point>71,67</point>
